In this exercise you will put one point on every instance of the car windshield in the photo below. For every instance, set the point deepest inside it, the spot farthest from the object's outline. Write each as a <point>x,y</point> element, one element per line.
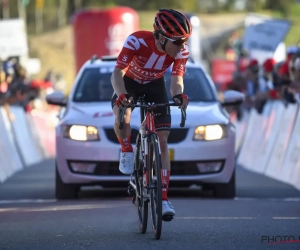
<point>196,85</point>
<point>95,86</point>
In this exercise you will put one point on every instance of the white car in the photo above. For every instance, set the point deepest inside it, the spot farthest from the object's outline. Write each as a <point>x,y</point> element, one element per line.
<point>87,150</point>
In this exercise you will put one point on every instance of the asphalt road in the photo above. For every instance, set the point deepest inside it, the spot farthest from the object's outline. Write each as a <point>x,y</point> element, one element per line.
<point>264,215</point>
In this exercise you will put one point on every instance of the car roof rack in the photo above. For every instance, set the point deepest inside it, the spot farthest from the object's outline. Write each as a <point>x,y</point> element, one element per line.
<point>109,58</point>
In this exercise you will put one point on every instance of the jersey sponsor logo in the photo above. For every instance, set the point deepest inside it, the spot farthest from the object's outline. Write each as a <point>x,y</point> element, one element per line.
<point>146,75</point>
<point>142,41</point>
<point>134,43</point>
<point>156,61</point>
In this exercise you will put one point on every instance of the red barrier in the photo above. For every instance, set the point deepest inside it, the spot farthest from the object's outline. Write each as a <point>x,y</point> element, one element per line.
<point>102,32</point>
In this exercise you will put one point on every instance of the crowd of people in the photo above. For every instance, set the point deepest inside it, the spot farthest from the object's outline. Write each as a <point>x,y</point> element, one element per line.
<point>267,81</point>
<point>19,88</point>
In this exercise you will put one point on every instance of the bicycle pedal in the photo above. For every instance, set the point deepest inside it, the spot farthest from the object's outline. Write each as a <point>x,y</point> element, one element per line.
<point>167,217</point>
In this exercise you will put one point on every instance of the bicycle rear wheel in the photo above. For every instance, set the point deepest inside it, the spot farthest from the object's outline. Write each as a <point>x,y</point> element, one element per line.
<point>153,160</point>
<point>142,204</point>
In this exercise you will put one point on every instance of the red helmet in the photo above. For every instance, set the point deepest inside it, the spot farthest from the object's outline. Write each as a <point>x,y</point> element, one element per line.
<point>172,24</point>
<point>284,69</point>
<point>252,63</point>
<point>269,65</point>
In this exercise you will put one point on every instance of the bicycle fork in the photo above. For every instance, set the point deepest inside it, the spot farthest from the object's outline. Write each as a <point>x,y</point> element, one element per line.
<point>134,178</point>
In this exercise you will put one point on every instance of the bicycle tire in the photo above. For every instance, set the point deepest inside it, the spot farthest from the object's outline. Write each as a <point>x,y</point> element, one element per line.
<point>154,163</point>
<point>142,204</point>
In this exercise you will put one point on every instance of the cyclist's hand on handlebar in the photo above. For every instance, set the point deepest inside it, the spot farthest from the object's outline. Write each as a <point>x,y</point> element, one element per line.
<point>124,100</point>
<point>181,99</point>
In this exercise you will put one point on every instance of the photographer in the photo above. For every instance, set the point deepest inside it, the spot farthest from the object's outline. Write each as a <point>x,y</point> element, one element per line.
<point>20,90</point>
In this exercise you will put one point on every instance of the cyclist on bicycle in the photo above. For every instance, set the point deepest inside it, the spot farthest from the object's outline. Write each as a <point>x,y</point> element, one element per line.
<point>140,70</point>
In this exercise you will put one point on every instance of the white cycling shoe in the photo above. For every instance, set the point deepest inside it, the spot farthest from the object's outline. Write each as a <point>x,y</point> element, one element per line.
<point>126,165</point>
<point>167,209</point>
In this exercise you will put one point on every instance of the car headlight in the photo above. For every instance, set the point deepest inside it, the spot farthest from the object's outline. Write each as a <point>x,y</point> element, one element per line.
<point>81,133</point>
<point>210,132</point>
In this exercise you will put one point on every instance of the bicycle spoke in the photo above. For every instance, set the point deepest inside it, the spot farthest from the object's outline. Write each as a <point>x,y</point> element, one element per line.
<point>154,161</point>
<point>142,204</point>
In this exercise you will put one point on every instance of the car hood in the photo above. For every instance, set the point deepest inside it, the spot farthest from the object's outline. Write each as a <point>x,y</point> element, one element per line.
<point>101,114</point>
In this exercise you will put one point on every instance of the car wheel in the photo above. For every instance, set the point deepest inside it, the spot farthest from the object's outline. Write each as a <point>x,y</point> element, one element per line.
<point>225,190</point>
<point>62,190</point>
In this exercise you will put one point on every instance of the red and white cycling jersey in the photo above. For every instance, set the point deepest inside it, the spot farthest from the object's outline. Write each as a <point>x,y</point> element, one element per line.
<point>141,60</point>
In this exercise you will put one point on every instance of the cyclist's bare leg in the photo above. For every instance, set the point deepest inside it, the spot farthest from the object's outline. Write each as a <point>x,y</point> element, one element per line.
<point>163,140</point>
<point>126,131</point>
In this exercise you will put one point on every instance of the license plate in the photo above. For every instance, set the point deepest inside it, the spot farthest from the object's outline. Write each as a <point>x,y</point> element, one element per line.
<point>171,154</point>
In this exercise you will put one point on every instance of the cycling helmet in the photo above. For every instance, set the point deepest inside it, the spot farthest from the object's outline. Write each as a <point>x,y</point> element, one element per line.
<point>172,24</point>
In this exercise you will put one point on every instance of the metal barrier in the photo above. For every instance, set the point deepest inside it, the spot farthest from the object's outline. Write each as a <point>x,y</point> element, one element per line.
<point>20,141</point>
<point>271,143</point>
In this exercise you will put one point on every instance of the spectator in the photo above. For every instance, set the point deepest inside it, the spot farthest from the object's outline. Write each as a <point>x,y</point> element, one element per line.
<point>60,83</point>
<point>268,77</point>
<point>5,98</point>
<point>251,76</point>
<point>239,84</point>
<point>10,66</point>
<point>293,91</point>
<point>284,82</point>
<point>21,87</point>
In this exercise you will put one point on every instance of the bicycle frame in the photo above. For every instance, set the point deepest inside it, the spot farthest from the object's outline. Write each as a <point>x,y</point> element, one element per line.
<point>148,123</point>
<point>147,186</point>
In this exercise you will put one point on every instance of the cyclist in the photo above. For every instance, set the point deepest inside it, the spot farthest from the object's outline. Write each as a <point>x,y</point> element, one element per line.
<point>140,70</point>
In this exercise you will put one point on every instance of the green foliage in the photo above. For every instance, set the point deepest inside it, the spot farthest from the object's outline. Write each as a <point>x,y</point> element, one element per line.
<point>148,8</point>
<point>282,6</point>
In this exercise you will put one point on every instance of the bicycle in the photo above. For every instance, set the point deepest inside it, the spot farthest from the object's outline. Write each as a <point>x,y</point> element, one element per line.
<point>145,183</point>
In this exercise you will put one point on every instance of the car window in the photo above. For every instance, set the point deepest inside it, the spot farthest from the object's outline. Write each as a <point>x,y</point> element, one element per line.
<point>94,85</point>
<point>196,85</point>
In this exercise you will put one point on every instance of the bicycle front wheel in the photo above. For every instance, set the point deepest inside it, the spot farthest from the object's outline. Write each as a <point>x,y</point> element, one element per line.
<point>153,160</point>
<point>142,203</point>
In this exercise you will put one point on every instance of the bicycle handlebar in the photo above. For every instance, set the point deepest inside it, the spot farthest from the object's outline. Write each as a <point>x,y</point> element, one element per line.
<point>151,107</point>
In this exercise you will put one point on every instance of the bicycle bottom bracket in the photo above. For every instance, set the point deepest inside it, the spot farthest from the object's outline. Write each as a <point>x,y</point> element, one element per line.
<point>167,217</point>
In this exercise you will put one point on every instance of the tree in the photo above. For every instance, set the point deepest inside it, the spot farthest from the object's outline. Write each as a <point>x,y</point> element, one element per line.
<point>283,6</point>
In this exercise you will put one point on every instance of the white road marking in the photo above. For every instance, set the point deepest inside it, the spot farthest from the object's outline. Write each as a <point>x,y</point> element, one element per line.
<point>61,207</point>
<point>27,201</point>
<point>216,218</point>
<point>293,199</point>
<point>286,218</point>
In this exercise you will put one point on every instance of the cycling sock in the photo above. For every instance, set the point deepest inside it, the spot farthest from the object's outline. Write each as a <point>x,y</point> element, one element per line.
<point>126,145</point>
<point>165,177</point>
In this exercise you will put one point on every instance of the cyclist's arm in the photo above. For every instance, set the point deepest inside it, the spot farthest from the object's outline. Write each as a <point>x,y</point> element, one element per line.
<point>123,61</point>
<point>178,71</point>
<point>176,86</point>
<point>118,82</point>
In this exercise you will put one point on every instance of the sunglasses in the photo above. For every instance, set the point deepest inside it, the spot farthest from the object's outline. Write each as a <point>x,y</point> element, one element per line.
<point>178,42</point>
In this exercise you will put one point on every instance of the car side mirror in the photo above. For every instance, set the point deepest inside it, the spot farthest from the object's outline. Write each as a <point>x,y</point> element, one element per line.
<point>232,98</point>
<point>56,98</point>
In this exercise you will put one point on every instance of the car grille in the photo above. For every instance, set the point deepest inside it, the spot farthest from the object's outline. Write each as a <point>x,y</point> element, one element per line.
<point>189,168</point>
<point>177,168</point>
<point>176,135</point>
